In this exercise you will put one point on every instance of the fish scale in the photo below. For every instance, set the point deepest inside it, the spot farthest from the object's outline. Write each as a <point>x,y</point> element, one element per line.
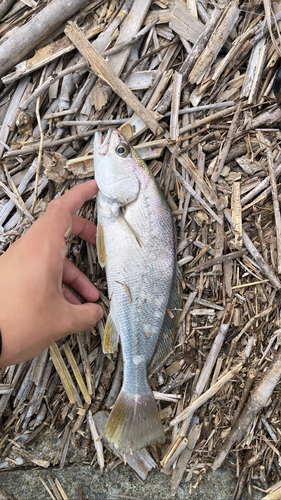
<point>140,256</point>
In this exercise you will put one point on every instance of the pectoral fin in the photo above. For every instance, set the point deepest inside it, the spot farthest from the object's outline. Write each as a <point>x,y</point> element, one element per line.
<point>111,337</point>
<point>101,246</point>
<point>117,212</point>
<point>136,235</point>
<point>167,336</point>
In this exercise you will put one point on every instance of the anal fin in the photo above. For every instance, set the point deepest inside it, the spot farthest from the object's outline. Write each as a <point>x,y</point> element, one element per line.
<point>111,337</point>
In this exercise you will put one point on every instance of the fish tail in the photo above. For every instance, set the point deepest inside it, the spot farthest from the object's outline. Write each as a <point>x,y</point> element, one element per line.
<point>134,422</point>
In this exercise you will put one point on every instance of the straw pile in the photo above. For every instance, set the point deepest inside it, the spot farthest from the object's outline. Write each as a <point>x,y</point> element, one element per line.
<point>190,84</point>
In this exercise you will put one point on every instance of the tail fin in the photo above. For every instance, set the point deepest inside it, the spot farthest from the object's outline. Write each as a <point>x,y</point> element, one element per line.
<point>134,422</point>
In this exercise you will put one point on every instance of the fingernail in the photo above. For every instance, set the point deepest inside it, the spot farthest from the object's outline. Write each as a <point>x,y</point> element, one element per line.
<point>99,313</point>
<point>68,233</point>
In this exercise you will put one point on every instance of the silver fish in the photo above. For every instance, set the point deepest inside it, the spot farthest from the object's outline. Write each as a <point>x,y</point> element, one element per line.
<point>135,243</point>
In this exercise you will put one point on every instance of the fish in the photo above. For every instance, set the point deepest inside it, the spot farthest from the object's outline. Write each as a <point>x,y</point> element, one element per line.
<point>136,245</point>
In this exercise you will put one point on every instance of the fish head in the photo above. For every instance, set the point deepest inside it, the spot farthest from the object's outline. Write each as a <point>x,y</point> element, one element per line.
<point>117,167</point>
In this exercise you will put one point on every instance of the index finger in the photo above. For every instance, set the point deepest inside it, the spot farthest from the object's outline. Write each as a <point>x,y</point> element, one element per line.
<point>59,213</point>
<point>50,230</point>
<point>65,206</point>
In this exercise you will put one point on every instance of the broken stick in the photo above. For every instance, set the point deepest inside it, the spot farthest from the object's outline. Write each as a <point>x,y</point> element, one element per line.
<point>103,71</point>
<point>275,199</point>
<point>227,144</point>
<point>29,36</point>
<point>258,400</point>
<point>207,395</point>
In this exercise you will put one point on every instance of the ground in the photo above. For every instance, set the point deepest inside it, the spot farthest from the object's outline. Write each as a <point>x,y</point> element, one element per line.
<point>118,484</point>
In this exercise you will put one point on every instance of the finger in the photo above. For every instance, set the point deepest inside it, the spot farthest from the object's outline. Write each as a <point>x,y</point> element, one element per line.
<point>84,228</point>
<point>75,278</point>
<point>70,296</point>
<point>61,210</point>
<point>47,234</point>
<point>83,317</point>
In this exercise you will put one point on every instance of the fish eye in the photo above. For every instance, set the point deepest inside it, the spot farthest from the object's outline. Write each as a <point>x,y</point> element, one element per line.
<point>122,149</point>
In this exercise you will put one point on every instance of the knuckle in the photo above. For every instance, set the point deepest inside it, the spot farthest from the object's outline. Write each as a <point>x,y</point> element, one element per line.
<point>56,205</point>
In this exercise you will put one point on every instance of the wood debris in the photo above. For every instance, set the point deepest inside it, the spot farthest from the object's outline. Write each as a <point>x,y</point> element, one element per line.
<point>191,85</point>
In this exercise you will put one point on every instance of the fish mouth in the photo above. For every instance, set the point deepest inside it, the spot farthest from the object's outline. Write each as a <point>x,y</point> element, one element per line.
<point>101,144</point>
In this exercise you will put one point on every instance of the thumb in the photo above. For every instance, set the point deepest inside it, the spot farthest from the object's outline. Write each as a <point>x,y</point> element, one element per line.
<point>84,317</point>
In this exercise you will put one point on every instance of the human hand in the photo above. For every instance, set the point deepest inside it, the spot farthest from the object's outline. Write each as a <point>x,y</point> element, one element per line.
<point>35,309</point>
